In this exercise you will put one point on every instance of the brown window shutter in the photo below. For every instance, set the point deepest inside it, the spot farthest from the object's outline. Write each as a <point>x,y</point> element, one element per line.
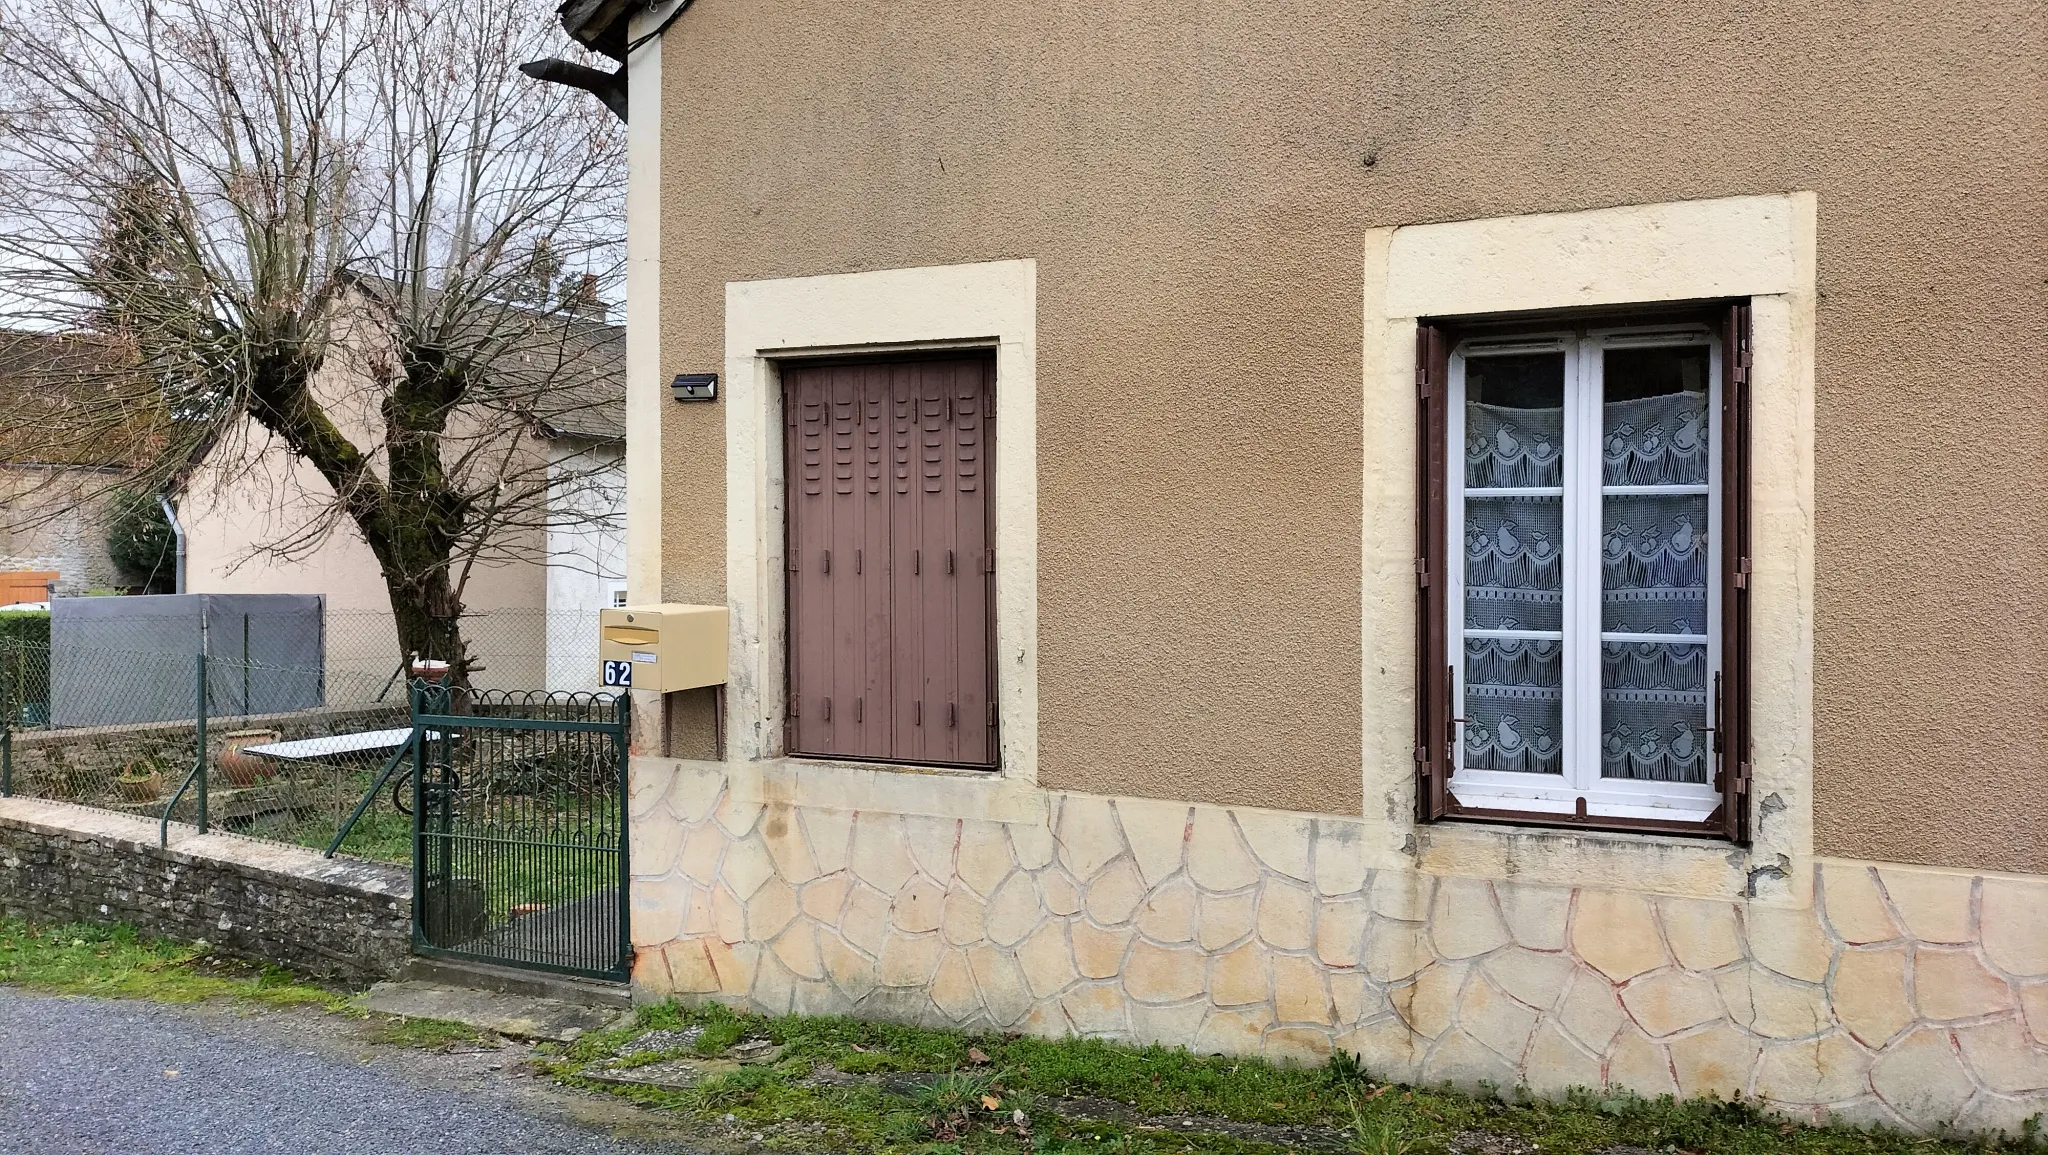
<point>1433,733</point>
<point>1732,701</point>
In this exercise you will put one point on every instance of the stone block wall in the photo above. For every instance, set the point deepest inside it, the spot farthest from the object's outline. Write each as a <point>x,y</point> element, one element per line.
<point>1911,997</point>
<point>340,918</point>
<point>79,763</point>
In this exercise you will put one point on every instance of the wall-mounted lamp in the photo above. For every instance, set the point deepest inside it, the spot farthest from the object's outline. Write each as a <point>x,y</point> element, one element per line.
<point>695,386</point>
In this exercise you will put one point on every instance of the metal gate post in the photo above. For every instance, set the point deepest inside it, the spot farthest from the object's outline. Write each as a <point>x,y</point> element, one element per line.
<point>419,864</point>
<point>201,768</point>
<point>621,743</point>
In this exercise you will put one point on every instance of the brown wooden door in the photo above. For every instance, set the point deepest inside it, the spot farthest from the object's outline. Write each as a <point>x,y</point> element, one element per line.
<point>891,582</point>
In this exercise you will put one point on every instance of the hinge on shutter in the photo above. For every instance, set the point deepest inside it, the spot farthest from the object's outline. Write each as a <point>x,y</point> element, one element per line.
<point>988,561</point>
<point>792,561</point>
<point>796,706</point>
<point>991,713</point>
<point>1422,756</point>
<point>1422,573</point>
<point>1742,573</point>
<point>1422,381</point>
<point>1716,727</point>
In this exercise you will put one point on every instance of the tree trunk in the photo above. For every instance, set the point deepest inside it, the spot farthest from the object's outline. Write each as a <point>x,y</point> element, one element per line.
<point>413,518</point>
<point>429,620</point>
<point>423,516</point>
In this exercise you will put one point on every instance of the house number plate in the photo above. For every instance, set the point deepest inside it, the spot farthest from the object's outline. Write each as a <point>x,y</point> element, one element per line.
<point>618,674</point>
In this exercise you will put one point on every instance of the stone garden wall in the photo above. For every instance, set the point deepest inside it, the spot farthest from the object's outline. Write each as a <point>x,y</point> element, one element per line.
<point>78,763</point>
<point>1881,994</point>
<point>341,918</point>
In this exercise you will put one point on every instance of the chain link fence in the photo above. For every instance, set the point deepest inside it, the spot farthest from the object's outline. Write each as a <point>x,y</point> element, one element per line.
<point>292,740</point>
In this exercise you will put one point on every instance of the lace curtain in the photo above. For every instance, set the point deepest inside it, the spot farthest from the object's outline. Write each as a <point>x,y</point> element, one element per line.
<point>1653,574</point>
<point>1653,580</point>
<point>1514,580</point>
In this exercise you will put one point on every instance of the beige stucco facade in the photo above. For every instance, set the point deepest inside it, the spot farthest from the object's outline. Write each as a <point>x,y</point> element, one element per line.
<point>1203,238</point>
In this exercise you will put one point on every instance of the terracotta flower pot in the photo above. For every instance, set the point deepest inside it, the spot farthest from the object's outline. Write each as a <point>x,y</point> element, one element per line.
<point>239,767</point>
<point>143,786</point>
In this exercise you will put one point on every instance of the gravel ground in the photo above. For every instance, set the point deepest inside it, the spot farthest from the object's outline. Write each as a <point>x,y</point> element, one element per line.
<point>101,1077</point>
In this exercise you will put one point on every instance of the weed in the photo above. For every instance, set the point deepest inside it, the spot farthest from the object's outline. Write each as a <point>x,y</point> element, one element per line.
<point>722,1029</point>
<point>723,1092</point>
<point>1344,1069</point>
<point>954,1102</point>
<point>955,1091</point>
<point>1376,1135</point>
<point>424,1034</point>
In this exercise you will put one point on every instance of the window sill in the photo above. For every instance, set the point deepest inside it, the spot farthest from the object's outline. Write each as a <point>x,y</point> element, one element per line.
<point>953,768</point>
<point>830,784</point>
<point>1684,861</point>
<point>1709,826</point>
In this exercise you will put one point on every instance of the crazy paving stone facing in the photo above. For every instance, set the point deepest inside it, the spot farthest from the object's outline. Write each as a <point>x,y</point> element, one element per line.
<point>1911,997</point>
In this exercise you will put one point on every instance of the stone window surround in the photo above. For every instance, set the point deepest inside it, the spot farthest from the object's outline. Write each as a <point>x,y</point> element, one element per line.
<point>1761,247</point>
<point>991,305</point>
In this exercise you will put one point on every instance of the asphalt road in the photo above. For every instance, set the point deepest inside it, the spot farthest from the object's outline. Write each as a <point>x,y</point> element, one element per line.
<point>102,1077</point>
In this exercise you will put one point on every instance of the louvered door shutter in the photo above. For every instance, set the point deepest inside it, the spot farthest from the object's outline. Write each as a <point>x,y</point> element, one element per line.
<point>838,543</point>
<point>1435,679</point>
<point>1731,737</point>
<point>944,576</point>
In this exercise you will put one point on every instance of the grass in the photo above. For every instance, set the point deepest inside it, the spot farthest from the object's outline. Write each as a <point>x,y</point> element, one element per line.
<point>423,1034</point>
<point>116,962</point>
<point>974,1084</point>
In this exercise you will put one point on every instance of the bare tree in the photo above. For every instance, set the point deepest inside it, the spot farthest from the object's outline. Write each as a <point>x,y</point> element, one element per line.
<point>350,229</point>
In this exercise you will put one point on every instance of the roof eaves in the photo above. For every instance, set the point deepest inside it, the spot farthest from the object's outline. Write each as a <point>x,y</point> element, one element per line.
<point>599,25</point>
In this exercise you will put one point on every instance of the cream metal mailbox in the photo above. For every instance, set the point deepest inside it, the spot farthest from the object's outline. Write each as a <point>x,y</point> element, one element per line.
<point>663,647</point>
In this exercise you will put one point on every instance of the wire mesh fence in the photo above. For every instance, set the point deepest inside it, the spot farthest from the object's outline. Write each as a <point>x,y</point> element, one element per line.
<point>273,730</point>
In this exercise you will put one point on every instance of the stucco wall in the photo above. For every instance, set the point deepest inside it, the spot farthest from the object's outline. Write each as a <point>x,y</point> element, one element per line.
<point>1194,184</point>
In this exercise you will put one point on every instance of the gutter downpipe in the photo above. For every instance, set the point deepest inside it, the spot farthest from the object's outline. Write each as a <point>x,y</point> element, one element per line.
<point>177,531</point>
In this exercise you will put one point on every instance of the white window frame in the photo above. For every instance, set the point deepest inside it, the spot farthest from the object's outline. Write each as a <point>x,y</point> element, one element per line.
<point>1584,367</point>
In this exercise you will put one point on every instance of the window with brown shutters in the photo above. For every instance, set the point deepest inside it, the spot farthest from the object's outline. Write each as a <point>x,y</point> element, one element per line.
<point>1583,570</point>
<point>891,560</point>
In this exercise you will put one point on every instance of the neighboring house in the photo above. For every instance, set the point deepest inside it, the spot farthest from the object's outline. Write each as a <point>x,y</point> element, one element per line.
<point>258,520</point>
<point>1505,539</point>
<point>586,542</point>
<point>53,508</point>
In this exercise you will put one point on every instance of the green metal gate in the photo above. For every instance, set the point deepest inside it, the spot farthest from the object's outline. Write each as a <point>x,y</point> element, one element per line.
<point>519,836</point>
